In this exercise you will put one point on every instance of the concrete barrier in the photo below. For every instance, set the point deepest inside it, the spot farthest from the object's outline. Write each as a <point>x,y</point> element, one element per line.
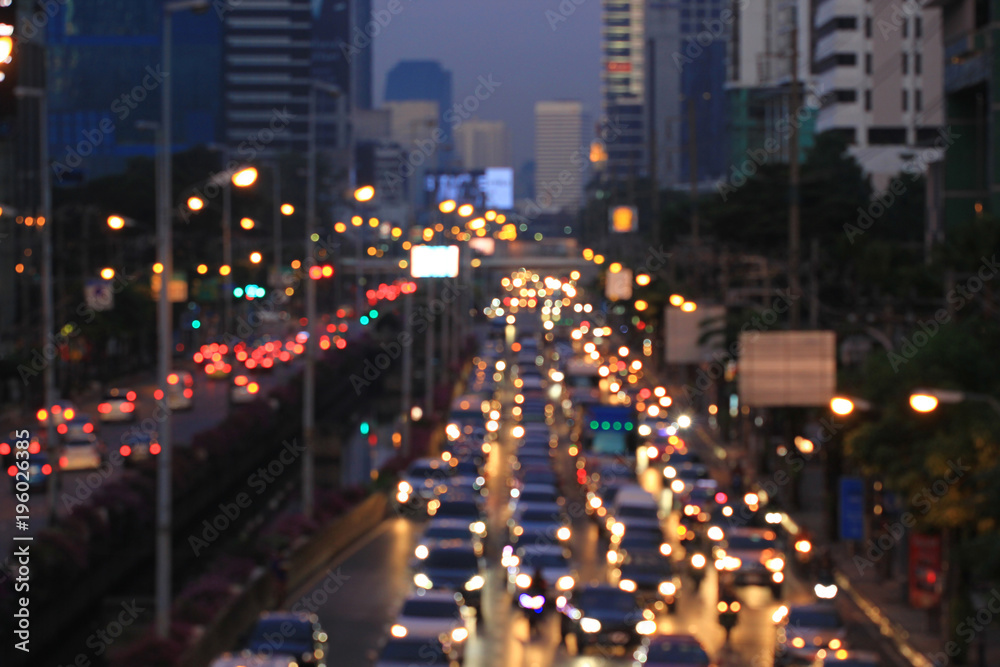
<point>260,592</point>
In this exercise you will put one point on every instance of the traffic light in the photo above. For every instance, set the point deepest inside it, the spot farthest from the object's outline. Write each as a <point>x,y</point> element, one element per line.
<point>8,59</point>
<point>365,428</point>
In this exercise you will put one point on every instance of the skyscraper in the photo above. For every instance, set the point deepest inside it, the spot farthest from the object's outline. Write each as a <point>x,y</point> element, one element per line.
<point>560,155</point>
<point>424,80</point>
<point>482,143</point>
<point>623,88</point>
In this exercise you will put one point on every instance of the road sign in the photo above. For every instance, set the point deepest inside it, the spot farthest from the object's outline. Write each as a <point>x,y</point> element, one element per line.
<point>99,295</point>
<point>852,508</point>
<point>787,368</point>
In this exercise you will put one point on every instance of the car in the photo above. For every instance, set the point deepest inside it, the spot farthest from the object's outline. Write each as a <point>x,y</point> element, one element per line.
<point>671,651</point>
<point>547,518</point>
<point>551,561</point>
<point>752,556</point>
<point>604,615</point>
<point>37,473</point>
<point>243,390</point>
<point>441,530</point>
<point>83,454</point>
<point>118,405</point>
<point>409,651</point>
<point>298,634</point>
<point>9,446</point>
<point>434,614</point>
<point>461,507</point>
<point>249,659</point>
<point>535,493</point>
<point>649,574</point>
<point>844,658</point>
<point>805,630</point>
<point>425,478</point>
<point>180,391</point>
<point>60,412</point>
<point>452,566</point>
<point>80,427</point>
<point>137,447</point>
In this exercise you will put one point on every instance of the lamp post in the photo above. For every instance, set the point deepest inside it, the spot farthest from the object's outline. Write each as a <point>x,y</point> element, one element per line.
<point>309,374</point>
<point>927,400</point>
<point>164,251</point>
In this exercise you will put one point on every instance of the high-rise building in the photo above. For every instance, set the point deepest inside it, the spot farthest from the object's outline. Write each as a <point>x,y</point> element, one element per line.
<point>104,75</point>
<point>970,184</point>
<point>361,63</point>
<point>880,71</point>
<point>623,88</point>
<point>663,77</point>
<point>482,143</point>
<point>424,80</point>
<point>561,154</point>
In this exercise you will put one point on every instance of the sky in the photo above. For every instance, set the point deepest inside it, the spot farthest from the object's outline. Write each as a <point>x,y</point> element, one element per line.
<point>529,53</point>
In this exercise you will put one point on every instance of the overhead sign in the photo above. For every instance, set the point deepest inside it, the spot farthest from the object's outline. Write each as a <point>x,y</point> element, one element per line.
<point>99,295</point>
<point>490,188</point>
<point>623,219</point>
<point>852,508</point>
<point>177,288</point>
<point>484,245</point>
<point>434,261</point>
<point>690,337</point>
<point>787,368</point>
<point>618,286</point>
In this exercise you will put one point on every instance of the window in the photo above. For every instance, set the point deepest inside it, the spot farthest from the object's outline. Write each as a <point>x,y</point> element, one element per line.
<point>918,27</point>
<point>917,63</point>
<point>906,63</point>
<point>906,27</point>
<point>868,26</point>
<point>868,100</point>
<point>886,136</point>
<point>848,134</point>
<point>868,63</point>
<point>845,95</point>
<point>906,100</point>
<point>918,101</point>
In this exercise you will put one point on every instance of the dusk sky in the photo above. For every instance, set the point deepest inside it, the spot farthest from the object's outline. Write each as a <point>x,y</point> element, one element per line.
<point>512,40</point>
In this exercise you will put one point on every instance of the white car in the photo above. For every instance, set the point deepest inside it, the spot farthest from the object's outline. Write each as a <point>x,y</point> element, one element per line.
<point>808,632</point>
<point>80,454</point>
<point>180,391</point>
<point>434,614</point>
<point>118,405</point>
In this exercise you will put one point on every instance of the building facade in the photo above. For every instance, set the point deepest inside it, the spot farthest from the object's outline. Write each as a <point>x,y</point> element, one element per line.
<point>561,154</point>
<point>424,80</point>
<point>482,143</point>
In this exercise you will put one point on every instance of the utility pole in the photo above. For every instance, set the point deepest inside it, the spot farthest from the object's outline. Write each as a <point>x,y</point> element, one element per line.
<point>794,230</point>
<point>407,387</point>
<point>654,153</point>
<point>693,174</point>
<point>429,351</point>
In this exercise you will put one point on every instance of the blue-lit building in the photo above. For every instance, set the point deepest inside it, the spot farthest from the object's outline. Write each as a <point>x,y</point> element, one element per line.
<point>424,80</point>
<point>105,74</point>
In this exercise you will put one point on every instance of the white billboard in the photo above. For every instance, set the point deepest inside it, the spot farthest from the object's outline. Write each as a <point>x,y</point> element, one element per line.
<point>434,261</point>
<point>498,185</point>
<point>618,286</point>
<point>683,332</point>
<point>787,368</point>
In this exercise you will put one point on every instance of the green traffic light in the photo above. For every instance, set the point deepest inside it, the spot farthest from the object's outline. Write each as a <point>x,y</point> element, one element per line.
<point>373,313</point>
<point>195,324</point>
<point>364,320</point>
<point>238,292</point>
<point>365,428</point>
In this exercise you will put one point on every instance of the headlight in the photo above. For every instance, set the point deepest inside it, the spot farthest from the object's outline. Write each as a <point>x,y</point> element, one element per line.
<point>423,581</point>
<point>677,486</point>
<point>779,614</point>
<point>402,497</point>
<point>595,502</point>
<point>523,580</point>
<point>668,588</point>
<point>645,627</point>
<point>459,634</point>
<point>398,630</point>
<point>803,546</point>
<point>421,552</point>
<point>617,528</point>
<point>563,533</point>
<point>825,592</point>
<point>612,557</point>
<point>590,625</point>
<point>666,549</point>
<point>670,472</point>
<point>777,577</point>
<point>715,533</point>
<point>565,583</point>
<point>627,585</point>
<point>799,642</point>
<point>475,583</point>
<point>775,564</point>
<point>698,561</point>
<point>404,487</point>
<point>478,527</point>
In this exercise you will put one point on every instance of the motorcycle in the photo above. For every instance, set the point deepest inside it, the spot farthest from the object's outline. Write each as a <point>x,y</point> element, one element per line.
<point>728,615</point>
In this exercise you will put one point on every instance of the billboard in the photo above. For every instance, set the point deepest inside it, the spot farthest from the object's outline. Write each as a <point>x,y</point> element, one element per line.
<point>787,368</point>
<point>434,261</point>
<point>684,331</point>
<point>490,188</point>
<point>618,286</point>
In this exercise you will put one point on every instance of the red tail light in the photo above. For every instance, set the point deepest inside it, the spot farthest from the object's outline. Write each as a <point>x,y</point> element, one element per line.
<point>34,448</point>
<point>4,449</point>
<point>241,380</point>
<point>198,357</point>
<point>88,428</point>
<point>158,394</point>
<point>253,387</point>
<point>46,469</point>
<point>172,378</point>
<point>227,368</point>
<point>63,461</point>
<point>267,362</point>
<point>251,364</point>
<point>188,393</point>
<point>68,414</point>
<point>56,409</point>
<point>128,407</point>
<point>104,408</point>
<point>12,471</point>
<point>209,369</point>
<point>130,396</point>
<point>41,414</point>
<point>125,450</point>
<point>154,448</point>
<point>62,428</point>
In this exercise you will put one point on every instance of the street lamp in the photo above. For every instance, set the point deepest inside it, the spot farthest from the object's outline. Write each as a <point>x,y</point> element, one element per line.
<point>164,251</point>
<point>843,405</point>
<point>927,400</point>
<point>364,193</point>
